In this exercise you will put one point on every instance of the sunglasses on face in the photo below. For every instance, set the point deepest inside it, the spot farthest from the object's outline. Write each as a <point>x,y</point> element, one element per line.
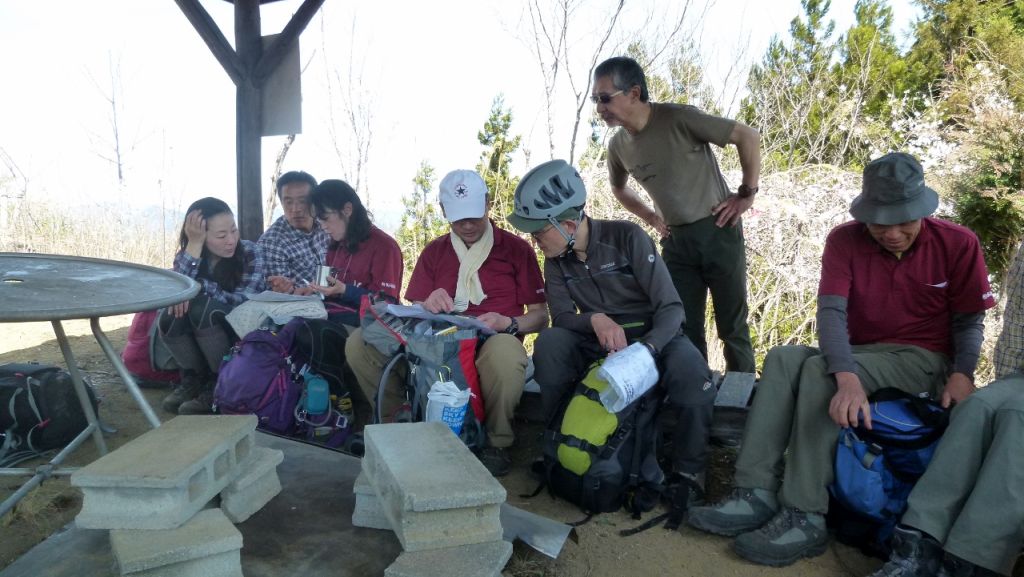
<point>604,98</point>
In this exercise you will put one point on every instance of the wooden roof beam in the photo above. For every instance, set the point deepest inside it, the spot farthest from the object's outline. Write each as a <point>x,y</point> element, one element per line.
<point>273,55</point>
<point>208,31</point>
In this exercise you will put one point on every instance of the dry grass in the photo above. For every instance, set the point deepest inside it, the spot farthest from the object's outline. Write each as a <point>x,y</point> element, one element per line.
<point>111,232</point>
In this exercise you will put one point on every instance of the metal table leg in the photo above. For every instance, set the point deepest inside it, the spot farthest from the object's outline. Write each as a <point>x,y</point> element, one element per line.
<point>76,378</point>
<point>129,381</point>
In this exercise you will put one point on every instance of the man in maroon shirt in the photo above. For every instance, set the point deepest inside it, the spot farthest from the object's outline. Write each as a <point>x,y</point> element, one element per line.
<point>483,271</point>
<point>901,302</point>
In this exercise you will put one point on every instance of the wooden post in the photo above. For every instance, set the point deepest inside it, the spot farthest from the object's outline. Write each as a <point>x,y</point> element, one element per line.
<point>248,69</point>
<point>249,47</point>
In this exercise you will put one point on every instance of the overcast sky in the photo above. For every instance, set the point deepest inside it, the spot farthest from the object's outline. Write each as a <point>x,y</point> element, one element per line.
<point>430,71</point>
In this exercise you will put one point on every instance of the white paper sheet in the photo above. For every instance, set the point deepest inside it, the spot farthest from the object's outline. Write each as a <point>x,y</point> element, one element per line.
<point>630,373</point>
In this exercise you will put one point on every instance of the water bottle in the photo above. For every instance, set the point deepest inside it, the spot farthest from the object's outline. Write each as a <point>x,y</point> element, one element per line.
<point>317,400</point>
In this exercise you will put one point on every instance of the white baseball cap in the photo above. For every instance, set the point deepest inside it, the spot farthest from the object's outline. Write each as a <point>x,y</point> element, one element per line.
<point>463,194</point>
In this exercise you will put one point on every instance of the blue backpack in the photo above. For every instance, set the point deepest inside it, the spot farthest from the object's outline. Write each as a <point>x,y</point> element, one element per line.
<point>876,469</point>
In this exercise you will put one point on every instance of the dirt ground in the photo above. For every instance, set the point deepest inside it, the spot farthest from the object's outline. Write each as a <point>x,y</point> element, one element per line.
<point>600,551</point>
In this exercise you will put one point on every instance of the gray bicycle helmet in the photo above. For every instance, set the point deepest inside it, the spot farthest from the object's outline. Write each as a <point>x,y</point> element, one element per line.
<point>551,192</point>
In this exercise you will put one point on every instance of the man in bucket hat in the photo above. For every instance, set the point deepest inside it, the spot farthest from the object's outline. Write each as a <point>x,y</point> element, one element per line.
<point>901,301</point>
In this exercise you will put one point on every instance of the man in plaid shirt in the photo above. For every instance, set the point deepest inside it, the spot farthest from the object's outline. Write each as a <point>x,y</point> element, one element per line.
<point>295,244</point>
<point>966,514</point>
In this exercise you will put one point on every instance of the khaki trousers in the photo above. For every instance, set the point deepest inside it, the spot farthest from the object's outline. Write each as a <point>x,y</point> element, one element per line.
<point>500,362</point>
<point>971,498</point>
<point>790,415</point>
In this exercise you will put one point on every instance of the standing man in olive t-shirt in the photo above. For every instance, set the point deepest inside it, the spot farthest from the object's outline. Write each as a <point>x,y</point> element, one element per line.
<point>666,148</point>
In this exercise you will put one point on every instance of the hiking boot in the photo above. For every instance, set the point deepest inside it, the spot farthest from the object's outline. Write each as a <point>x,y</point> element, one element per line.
<point>201,405</point>
<point>187,390</point>
<point>791,535</point>
<point>496,459</point>
<point>740,511</point>
<point>953,566</point>
<point>914,554</point>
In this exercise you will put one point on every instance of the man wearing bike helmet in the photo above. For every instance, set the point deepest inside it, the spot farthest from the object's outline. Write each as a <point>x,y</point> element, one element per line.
<point>601,275</point>
<point>479,270</point>
<point>666,147</point>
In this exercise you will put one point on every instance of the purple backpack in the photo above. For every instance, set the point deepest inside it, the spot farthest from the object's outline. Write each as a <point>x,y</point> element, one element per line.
<point>259,377</point>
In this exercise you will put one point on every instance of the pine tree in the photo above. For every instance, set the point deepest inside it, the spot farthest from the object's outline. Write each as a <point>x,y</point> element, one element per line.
<point>422,220</point>
<point>495,161</point>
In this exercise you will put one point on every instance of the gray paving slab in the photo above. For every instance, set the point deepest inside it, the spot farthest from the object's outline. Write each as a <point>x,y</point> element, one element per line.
<point>206,534</point>
<point>480,560</point>
<point>162,478</point>
<point>306,531</point>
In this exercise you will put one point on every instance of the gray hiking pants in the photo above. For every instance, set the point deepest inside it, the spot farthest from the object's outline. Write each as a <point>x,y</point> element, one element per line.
<point>971,498</point>
<point>790,412</point>
<point>561,358</point>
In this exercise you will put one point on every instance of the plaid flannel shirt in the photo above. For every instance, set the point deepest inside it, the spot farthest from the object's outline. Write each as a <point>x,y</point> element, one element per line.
<point>291,253</point>
<point>1009,355</point>
<point>253,275</point>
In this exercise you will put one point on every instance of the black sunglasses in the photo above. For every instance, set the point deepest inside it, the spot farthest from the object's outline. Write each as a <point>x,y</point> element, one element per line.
<point>604,98</point>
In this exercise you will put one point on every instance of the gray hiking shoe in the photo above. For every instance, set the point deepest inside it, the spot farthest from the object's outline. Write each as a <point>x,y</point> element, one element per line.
<point>790,536</point>
<point>201,405</point>
<point>740,511</point>
<point>496,459</point>
<point>186,391</point>
<point>914,554</point>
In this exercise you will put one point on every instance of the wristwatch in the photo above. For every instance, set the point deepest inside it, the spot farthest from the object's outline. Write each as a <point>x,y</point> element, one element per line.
<point>513,327</point>
<point>745,191</point>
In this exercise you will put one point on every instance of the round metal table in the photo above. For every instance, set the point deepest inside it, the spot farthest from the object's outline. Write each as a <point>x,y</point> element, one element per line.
<point>55,288</point>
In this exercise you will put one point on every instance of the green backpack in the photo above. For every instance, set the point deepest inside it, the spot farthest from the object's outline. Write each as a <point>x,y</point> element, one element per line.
<point>601,460</point>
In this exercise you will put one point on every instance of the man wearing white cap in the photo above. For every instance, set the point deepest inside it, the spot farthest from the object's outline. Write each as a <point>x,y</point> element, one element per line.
<point>901,303</point>
<point>483,271</point>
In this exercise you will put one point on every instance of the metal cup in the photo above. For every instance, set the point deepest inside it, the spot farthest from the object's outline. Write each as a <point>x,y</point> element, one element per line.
<point>323,273</point>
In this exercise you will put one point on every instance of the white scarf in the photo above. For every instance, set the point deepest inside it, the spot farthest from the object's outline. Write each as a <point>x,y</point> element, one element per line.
<point>471,259</point>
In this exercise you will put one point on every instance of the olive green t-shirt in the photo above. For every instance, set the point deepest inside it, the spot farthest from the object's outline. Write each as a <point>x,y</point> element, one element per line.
<point>672,159</point>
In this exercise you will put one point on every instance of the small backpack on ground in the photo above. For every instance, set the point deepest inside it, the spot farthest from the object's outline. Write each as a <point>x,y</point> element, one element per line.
<point>260,377</point>
<point>143,352</point>
<point>39,410</point>
<point>875,470</point>
<point>601,460</point>
<point>434,350</point>
<point>321,343</point>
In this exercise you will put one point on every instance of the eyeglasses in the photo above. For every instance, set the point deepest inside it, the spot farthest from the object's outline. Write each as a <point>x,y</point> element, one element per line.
<point>604,98</point>
<point>542,232</point>
<point>322,217</point>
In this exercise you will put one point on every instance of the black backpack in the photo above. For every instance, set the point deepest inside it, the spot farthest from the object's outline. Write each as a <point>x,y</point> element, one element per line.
<point>600,460</point>
<point>39,410</point>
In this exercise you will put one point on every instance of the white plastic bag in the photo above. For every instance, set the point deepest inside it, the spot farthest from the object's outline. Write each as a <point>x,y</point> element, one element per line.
<point>629,373</point>
<point>448,404</point>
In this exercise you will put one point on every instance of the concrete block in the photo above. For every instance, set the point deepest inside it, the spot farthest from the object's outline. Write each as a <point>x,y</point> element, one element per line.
<point>362,485</point>
<point>254,487</point>
<point>162,478</point>
<point>433,490</point>
<point>368,512</point>
<point>207,545</point>
<point>480,560</point>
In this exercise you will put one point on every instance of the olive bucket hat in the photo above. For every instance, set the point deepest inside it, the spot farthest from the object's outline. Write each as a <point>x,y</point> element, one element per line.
<point>893,191</point>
